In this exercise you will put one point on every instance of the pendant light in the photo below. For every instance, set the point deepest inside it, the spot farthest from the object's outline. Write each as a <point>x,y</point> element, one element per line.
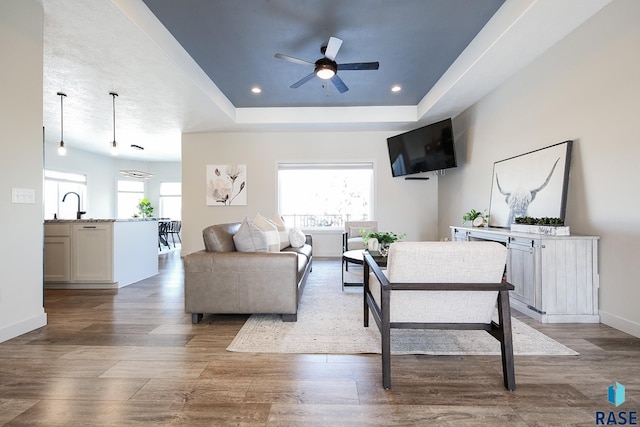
<point>62,150</point>
<point>114,144</point>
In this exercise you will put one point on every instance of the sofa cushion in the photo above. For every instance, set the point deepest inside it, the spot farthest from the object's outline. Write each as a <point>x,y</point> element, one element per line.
<point>305,250</point>
<point>250,238</point>
<point>219,237</point>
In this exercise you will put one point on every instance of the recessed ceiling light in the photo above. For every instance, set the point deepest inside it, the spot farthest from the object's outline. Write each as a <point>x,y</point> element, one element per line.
<point>396,88</point>
<point>256,89</point>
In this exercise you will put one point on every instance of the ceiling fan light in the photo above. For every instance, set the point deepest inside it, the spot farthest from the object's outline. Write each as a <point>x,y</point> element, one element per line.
<point>325,73</point>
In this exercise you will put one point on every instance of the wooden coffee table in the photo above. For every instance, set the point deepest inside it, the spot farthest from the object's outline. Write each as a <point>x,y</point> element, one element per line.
<point>356,256</point>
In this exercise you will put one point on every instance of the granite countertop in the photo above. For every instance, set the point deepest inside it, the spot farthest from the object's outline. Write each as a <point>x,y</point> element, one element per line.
<point>63,221</point>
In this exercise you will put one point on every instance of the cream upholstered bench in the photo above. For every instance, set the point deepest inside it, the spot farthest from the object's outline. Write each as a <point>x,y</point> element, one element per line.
<point>440,285</point>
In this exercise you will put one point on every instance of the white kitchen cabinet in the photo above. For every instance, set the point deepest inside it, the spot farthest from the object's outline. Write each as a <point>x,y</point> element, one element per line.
<point>92,252</point>
<point>99,254</point>
<point>57,253</point>
<point>556,278</point>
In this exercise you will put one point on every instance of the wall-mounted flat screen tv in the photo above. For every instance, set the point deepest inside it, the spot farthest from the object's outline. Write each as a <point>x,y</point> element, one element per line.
<point>425,149</point>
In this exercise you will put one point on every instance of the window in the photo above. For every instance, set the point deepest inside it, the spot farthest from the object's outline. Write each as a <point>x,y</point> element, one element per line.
<point>129,195</point>
<point>56,185</point>
<point>325,195</point>
<point>171,200</point>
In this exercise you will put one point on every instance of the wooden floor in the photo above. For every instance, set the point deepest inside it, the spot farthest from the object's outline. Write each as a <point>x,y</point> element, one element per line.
<point>132,357</point>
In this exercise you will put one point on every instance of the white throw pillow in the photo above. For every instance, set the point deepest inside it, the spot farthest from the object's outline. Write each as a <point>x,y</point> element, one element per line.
<point>271,232</point>
<point>283,231</point>
<point>249,238</point>
<point>279,223</point>
<point>297,239</point>
<point>360,231</point>
<point>284,239</point>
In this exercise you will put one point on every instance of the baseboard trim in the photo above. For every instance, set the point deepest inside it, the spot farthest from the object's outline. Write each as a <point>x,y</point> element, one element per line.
<point>22,327</point>
<point>624,325</point>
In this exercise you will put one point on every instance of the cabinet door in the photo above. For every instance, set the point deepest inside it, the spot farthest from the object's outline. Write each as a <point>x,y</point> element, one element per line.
<point>57,259</point>
<point>92,253</point>
<point>521,270</point>
<point>459,235</point>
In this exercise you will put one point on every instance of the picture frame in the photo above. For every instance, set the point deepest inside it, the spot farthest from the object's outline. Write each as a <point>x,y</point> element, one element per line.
<point>226,185</point>
<point>531,184</point>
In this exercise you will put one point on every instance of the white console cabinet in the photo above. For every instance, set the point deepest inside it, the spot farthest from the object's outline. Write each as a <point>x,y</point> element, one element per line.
<point>555,277</point>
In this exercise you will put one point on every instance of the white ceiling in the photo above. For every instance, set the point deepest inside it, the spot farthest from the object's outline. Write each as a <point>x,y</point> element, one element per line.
<point>93,47</point>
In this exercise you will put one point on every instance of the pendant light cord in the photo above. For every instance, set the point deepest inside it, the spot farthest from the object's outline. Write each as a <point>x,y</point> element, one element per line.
<point>113,94</point>
<point>62,96</point>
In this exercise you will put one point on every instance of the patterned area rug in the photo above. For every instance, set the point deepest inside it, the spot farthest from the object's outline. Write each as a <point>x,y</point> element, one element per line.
<point>330,322</point>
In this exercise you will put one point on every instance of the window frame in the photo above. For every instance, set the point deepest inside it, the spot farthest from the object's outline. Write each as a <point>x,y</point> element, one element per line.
<point>162,197</point>
<point>330,165</point>
<point>118,191</point>
<point>70,178</point>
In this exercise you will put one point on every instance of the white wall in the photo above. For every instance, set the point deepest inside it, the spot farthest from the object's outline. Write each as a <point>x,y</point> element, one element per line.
<point>586,89</point>
<point>102,175</point>
<point>402,206</point>
<point>21,308</point>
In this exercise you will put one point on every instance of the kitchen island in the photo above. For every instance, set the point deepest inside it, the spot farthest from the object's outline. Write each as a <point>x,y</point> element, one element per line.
<point>99,253</point>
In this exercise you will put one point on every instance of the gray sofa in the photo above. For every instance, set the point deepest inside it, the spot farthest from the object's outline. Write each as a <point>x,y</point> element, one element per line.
<point>221,280</point>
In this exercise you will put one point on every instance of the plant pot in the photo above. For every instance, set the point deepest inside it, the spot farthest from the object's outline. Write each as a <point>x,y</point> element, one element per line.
<point>549,230</point>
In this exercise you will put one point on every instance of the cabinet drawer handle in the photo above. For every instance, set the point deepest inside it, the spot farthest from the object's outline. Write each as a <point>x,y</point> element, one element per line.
<point>88,226</point>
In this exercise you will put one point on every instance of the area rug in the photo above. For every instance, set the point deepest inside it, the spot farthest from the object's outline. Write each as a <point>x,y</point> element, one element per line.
<point>330,322</point>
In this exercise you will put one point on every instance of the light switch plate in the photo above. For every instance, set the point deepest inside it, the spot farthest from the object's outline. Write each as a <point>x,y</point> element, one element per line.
<point>23,195</point>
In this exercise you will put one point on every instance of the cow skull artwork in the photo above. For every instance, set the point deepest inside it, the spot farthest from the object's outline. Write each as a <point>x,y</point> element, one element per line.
<point>519,199</point>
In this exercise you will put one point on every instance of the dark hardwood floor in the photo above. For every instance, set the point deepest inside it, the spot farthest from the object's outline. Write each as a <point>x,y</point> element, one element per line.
<point>132,357</point>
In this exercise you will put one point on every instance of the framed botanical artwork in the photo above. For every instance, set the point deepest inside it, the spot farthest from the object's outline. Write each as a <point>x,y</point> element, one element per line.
<point>226,185</point>
<point>532,184</point>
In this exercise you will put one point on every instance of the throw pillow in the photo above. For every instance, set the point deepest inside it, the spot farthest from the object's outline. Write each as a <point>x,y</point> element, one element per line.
<point>284,238</point>
<point>271,232</point>
<point>283,231</point>
<point>360,231</point>
<point>279,223</point>
<point>297,239</point>
<point>249,238</point>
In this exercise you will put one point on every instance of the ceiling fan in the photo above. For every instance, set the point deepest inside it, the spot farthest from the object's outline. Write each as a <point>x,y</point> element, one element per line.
<point>326,67</point>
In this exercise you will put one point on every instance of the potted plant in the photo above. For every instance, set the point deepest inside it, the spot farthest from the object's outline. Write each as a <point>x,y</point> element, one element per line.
<point>549,226</point>
<point>476,218</point>
<point>383,239</point>
<point>145,210</point>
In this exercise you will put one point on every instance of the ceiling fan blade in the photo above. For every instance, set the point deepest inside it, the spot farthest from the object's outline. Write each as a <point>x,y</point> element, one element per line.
<point>292,59</point>
<point>359,66</point>
<point>332,48</point>
<point>339,84</point>
<point>302,81</point>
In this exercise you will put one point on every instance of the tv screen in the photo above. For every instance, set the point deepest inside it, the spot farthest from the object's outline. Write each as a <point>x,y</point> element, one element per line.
<point>425,149</point>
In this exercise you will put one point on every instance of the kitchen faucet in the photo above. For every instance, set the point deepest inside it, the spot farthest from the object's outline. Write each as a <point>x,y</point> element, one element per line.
<point>79,213</point>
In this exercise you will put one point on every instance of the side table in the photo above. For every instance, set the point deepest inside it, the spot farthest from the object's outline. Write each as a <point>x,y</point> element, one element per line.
<point>356,256</point>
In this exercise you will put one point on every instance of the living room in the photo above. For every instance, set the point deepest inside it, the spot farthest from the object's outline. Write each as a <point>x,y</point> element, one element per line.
<point>581,89</point>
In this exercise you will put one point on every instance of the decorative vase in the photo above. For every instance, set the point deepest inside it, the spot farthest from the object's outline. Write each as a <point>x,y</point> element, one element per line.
<point>372,244</point>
